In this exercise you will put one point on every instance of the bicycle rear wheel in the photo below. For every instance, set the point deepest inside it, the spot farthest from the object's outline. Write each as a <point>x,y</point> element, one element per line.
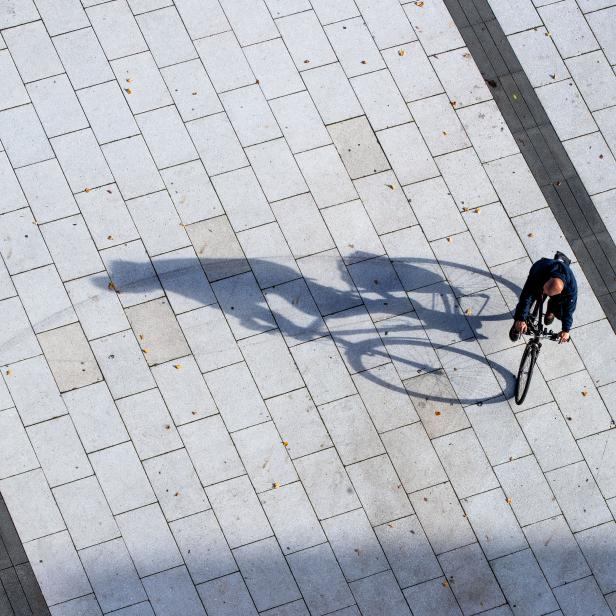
<point>525,372</point>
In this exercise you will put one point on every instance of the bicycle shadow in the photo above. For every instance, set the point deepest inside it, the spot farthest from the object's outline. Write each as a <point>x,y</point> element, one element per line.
<point>419,323</point>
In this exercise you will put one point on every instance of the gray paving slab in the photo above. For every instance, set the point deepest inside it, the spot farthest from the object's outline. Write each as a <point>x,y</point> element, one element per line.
<point>226,596</point>
<point>582,592</point>
<point>173,590</point>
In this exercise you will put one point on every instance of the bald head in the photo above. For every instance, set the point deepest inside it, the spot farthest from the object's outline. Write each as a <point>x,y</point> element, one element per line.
<point>554,286</point>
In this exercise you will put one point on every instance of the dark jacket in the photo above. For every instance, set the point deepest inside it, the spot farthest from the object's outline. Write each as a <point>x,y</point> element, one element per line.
<point>539,274</point>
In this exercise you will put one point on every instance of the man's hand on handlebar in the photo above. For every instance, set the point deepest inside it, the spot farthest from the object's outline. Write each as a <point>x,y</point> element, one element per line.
<point>563,337</point>
<point>521,326</point>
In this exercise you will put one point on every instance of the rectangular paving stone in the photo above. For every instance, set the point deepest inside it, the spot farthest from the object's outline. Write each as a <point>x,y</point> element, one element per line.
<point>494,524</point>
<point>202,19</point>
<point>173,590</point>
<point>149,423</point>
<point>239,512</point>
<point>121,361</point>
<point>299,423</point>
<point>218,462</point>
<point>584,592</point>
<point>270,585</point>
<point>425,598</point>
<point>380,592</point>
<point>17,455</point>
<point>598,174</point>
<point>122,478</point>
<point>149,540</point>
<point>33,509</point>
<point>524,483</point>
<point>557,551</point>
<point>158,331</point>
<point>323,370</point>
<point>593,77</point>
<point>184,390</point>
<point>176,484</point>
<point>498,431</point>
<point>147,88</point>
<point>59,451</point>
<point>226,596</point>
<point>209,338</point>
<point>326,176</point>
<point>292,517</point>
<point>597,544</point>
<point>23,137</point>
<point>598,452</point>
<point>523,582</point>
<point>264,456</point>
<point>596,345</point>
<point>332,93</point>
<point>14,197</point>
<point>320,579</point>
<point>328,13</point>
<point>437,31</point>
<point>57,568</point>
<point>87,605</point>
<point>14,93</point>
<point>203,546</point>
<point>442,518</point>
<point>602,27</point>
<point>387,24</point>
<point>578,496</point>
<point>251,22</point>
<point>86,512</point>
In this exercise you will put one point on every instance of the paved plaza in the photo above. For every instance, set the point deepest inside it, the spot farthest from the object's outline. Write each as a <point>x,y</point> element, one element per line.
<point>258,262</point>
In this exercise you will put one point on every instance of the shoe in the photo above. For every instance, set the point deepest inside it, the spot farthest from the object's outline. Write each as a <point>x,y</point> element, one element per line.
<point>548,319</point>
<point>514,334</point>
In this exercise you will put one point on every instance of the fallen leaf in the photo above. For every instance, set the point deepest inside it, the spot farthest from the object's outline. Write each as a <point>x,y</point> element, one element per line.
<point>194,412</point>
<point>195,94</point>
<point>112,286</point>
<point>514,96</point>
<point>584,392</point>
<point>109,237</point>
<point>468,311</point>
<point>391,186</point>
<point>146,350</point>
<point>419,3</point>
<point>9,372</point>
<point>306,61</point>
<point>548,34</point>
<point>444,132</point>
<point>257,82</point>
<point>364,61</point>
<point>477,210</point>
<point>437,413</point>
<point>401,52</point>
<point>509,500</point>
<point>87,189</point>
<point>285,443</point>
<point>450,239</point>
<point>465,209</point>
<point>531,234</point>
<point>140,336</point>
<point>453,103</point>
<point>177,366</point>
<point>275,485</point>
<point>466,55</point>
<point>128,90</point>
<point>109,191</point>
<point>445,583</point>
<point>167,427</point>
<point>553,76</point>
<point>176,494</point>
<point>128,80</point>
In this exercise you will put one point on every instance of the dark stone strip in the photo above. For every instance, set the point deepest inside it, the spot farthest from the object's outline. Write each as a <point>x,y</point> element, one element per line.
<point>543,151</point>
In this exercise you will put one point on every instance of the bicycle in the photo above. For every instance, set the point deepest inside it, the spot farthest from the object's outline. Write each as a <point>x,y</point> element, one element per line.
<point>537,332</point>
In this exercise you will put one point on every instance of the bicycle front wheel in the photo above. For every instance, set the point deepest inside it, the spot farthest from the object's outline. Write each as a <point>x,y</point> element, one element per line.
<point>525,373</point>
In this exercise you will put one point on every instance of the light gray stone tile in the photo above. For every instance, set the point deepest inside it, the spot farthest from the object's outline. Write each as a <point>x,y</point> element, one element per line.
<point>274,68</point>
<point>323,370</point>
<point>13,16</point>
<point>264,456</point>
<point>292,517</point>
<point>299,423</point>
<point>296,608</point>
<point>412,71</point>
<point>442,518</point>
<point>328,12</point>
<point>494,524</point>
<point>320,579</point>
<point>524,483</point>
<point>184,390</point>
<point>435,28</point>
<point>14,93</point>
<point>300,122</point>
<point>173,590</point>
<point>436,403</point>
<point>580,596</point>
<point>439,125</point>
<point>276,170</point>
<point>515,186</point>
<point>239,512</point>
<point>578,496</point>
<point>203,546</point>
<point>282,8</point>
<point>539,57</point>
<point>597,545</point>
<point>59,451</point>
<point>569,29</point>
<point>227,596</point>
<point>602,24</point>
<point>326,176</point>
<point>166,36</point>
<point>82,606</point>
<point>112,575</point>
<point>380,592</point>
<point>428,597</point>
<point>243,199</point>
<point>244,305</point>
<point>266,573</point>
<point>251,21</point>
<point>149,540</point>
<point>57,568</point>
<point>414,457</point>
<point>608,394</point>
<point>158,331</point>
<point>33,509</point>
<point>387,23</point>
<point>209,338</point>
<point>523,17</point>
<point>147,88</point>
<point>32,51</point>
<point>116,29</point>
<point>332,93</point>
<point>122,478</point>
<point>176,484</point>
<point>218,463</point>
<point>358,147</point>
<point>594,162</point>
<point>95,416</point>
<point>598,451</point>
<point>302,225</point>
<point>17,455</point>
<point>498,431</point>
<point>13,197</point>
<point>598,348</point>
<point>202,18</point>
<point>121,361</point>
<point>166,137</point>
<point>553,357</point>
<point>141,6</point>
<point>133,167</point>
<point>523,582</point>
<point>23,137</point>
<point>224,61</point>
<point>557,551</point>
<point>33,390</point>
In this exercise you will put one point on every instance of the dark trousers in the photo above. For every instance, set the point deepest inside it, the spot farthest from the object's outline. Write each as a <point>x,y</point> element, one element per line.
<point>555,307</point>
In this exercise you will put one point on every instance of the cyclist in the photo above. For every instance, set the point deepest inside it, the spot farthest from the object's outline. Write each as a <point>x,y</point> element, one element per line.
<point>554,278</point>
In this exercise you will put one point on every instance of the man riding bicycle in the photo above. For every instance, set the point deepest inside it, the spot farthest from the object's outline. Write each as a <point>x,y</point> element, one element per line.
<point>554,278</point>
